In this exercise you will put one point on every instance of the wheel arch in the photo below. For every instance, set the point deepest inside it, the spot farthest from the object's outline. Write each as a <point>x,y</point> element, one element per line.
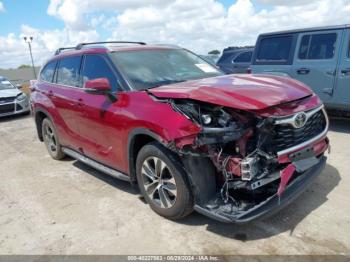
<point>136,140</point>
<point>39,115</point>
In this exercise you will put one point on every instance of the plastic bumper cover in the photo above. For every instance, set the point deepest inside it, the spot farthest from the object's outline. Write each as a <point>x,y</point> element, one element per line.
<point>271,204</point>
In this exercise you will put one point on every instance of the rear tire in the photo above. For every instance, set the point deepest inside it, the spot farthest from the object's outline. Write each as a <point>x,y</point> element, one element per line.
<point>51,139</point>
<point>163,182</point>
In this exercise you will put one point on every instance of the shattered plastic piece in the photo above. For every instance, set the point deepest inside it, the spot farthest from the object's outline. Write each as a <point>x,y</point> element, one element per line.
<point>285,174</point>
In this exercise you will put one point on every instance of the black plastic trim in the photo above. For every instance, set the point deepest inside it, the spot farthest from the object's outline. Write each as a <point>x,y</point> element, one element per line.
<point>272,204</point>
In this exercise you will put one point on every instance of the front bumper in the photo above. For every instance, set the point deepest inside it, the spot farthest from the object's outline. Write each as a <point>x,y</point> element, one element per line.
<point>271,204</point>
<point>15,107</point>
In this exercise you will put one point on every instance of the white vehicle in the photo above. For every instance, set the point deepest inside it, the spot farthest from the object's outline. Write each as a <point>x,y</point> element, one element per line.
<point>12,100</point>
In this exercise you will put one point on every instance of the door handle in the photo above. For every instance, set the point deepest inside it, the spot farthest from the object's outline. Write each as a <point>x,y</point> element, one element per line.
<point>345,71</point>
<point>303,71</point>
<point>328,91</point>
<point>80,102</point>
<point>331,72</point>
<point>50,94</point>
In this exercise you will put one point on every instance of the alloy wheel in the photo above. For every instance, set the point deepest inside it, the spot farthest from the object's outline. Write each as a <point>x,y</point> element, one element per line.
<point>50,138</point>
<point>159,182</point>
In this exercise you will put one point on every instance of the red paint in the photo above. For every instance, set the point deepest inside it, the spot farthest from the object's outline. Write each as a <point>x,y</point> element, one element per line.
<point>242,142</point>
<point>319,147</point>
<point>100,84</point>
<point>250,92</point>
<point>234,166</point>
<point>101,128</point>
<point>285,174</point>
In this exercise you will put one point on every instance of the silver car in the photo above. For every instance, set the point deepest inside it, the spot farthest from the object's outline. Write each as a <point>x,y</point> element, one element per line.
<point>12,100</point>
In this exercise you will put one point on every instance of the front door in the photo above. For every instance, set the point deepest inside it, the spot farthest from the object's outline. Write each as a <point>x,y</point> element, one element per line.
<point>99,125</point>
<point>315,61</point>
<point>341,94</point>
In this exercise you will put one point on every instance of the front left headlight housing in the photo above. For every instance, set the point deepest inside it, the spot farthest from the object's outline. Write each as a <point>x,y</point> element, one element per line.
<point>204,114</point>
<point>21,97</point>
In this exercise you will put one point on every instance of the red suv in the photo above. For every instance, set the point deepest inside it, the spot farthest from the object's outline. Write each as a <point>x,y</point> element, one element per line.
<point>232,147</point>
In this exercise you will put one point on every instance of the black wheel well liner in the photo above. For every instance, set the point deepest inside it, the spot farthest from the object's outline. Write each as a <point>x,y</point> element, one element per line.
<point>200,171</point>
<point>136,140</point>
<point>39,115</point>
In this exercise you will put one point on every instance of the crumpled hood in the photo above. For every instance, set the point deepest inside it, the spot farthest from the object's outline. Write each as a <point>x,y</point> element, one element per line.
<point>9,92</point>
<point>245,92</point>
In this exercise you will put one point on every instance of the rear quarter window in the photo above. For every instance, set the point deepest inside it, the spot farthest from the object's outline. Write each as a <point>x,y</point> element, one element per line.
<point>274,49</point>
<point>226,57</point>
<point>317,46</point>
<point>245,57</point>
<point>48,72</point>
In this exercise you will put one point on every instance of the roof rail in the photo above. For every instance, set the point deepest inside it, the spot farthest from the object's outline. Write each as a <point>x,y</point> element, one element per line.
<point>80,46</point>
<point>59,50</point>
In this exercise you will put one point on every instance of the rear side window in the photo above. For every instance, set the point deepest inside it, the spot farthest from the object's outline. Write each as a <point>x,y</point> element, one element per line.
<point>274,49</point>
<point>95,66</point>
<point>226,58</point>
<point>245,57</point>
<point>317,46</point>
<point>68,71</point>
<point>48,72</point>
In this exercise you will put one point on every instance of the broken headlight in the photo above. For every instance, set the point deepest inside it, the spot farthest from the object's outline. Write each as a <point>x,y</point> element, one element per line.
<point>204,114</point>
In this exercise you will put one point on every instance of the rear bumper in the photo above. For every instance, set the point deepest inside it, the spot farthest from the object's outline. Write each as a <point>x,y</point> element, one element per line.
<point>270,205</point>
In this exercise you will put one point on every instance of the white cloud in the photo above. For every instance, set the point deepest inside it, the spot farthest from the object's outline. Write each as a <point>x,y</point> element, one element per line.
<point>2,8</point>
<point>205,25</point>
<point>74,12</point>
<point>14,51</point>
<point>200,25</point>
<point>286,2</point>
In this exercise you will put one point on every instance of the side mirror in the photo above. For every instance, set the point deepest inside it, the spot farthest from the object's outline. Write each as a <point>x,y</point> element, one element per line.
<point>98,85</point>
<point>19,86</point>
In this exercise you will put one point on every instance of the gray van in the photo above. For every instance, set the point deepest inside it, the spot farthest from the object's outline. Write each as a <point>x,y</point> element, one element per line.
<point>319,57</point>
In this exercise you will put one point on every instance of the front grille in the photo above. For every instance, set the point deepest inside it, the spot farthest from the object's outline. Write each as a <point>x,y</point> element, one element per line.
<point>286,136</point>
<point>7,108</point>
<point>7,99</point>
<point>19,107</point>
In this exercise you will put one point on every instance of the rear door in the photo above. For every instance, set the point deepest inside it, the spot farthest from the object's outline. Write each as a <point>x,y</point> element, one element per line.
<point>315,61</point>
<point>341,93</point>
<point>65,93</point>
<point>274,54</point>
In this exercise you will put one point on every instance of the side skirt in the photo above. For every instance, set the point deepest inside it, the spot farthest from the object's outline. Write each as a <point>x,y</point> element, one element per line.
<point>105,169</point>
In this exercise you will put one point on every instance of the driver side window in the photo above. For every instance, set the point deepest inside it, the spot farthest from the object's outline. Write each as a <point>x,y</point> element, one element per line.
<point>95,66</point>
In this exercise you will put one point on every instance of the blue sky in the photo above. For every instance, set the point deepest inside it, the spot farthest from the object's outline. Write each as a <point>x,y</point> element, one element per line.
<point>199,25</point>
<point>33,13</point>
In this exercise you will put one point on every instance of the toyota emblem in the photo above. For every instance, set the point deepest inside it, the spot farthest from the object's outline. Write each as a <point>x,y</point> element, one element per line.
<point>300,120</point>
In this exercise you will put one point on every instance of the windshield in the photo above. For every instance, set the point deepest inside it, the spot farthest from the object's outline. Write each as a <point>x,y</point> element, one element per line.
<point>151,68</point>
<point>5,84</point>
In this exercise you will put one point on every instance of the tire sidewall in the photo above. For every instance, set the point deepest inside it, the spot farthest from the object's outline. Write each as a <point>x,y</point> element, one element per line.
<point>184,198</point>
<point>58,154</point>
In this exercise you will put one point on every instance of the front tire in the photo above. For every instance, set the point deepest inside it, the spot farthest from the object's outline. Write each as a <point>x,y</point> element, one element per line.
<point>51,139</point>
<point>162,182</point>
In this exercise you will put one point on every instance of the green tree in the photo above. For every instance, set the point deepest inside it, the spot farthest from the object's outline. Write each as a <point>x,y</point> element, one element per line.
<point>23,66</point>
<point>214,52</point>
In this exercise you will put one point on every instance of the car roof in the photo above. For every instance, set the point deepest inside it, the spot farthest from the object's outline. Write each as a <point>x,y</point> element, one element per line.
<point>239,50</point>
<point>103,49</point>
<point>310,29</point>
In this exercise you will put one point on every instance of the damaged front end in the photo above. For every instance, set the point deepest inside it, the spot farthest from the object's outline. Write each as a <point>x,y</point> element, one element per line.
<point>243,165</point>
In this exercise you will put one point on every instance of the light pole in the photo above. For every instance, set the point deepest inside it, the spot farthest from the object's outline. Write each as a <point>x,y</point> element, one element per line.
<point>29,40</point>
